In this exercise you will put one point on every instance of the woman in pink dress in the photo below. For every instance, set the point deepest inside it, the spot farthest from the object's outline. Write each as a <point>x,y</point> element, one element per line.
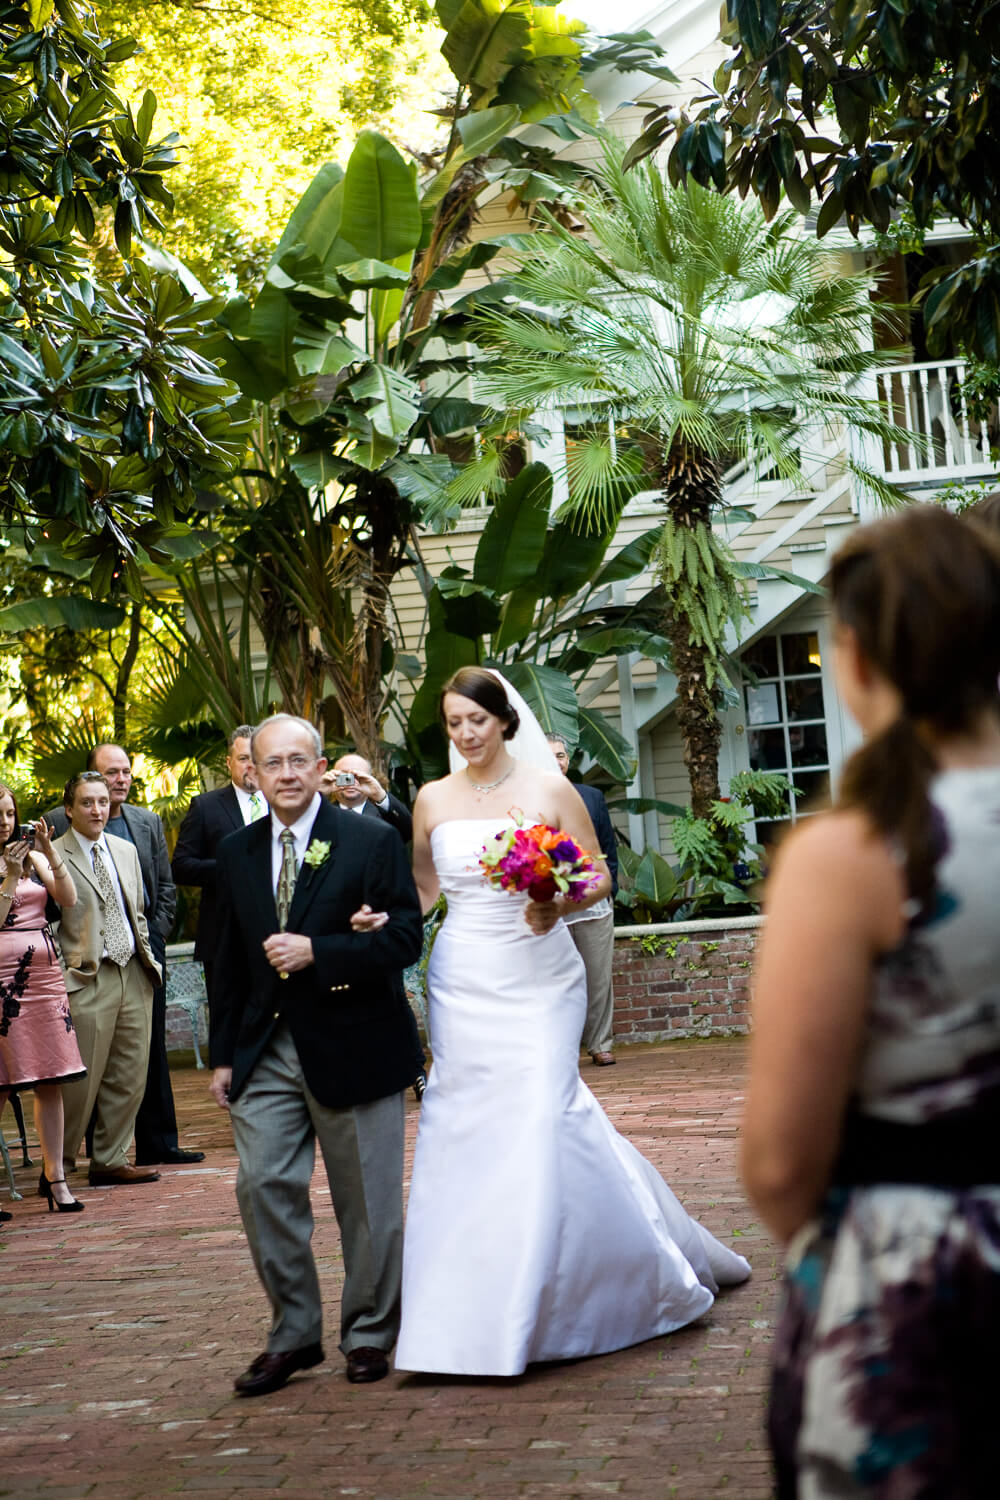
<point>38,1048</point>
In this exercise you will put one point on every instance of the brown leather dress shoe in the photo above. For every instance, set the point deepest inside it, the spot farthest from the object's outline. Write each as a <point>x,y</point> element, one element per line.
<point>366,1364</point>
<point>269,1372</point>
<point>604,1059</point>
<point>119,1176</point>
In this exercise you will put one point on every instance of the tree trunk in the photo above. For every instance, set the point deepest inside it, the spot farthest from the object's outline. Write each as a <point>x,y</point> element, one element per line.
<point>697,716</point>
<point>692,487</point>
<point>124,674</point>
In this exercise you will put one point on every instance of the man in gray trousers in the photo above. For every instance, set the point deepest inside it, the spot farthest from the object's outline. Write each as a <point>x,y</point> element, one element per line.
<point>317,916</point>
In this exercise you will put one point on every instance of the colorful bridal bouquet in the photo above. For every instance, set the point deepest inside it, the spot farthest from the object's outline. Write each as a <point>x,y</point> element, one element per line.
<point>540,860</point>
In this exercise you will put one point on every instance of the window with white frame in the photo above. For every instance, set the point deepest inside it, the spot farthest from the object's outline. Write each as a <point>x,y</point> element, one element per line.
<point>786,721</point>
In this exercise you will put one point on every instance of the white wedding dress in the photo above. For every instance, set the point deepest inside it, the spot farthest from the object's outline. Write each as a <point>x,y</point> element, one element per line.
<point>534,1230</point>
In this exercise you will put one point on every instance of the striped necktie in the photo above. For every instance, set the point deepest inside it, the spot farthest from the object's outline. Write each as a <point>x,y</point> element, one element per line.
<point>287,876</point>
<point>116,936</point>
<point>257,808</point>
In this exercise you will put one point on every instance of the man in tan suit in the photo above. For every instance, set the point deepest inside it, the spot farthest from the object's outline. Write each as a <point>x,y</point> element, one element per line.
<point>110,973</point>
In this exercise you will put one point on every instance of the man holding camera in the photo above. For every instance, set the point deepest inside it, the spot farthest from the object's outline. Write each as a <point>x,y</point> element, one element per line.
<point>350,782</point>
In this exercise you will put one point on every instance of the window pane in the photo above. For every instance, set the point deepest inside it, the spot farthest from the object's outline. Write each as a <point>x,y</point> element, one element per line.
<point>801,653</point>
<point>804,696</point>
<point>763,704</point>
<point>808,744</point>
<point>815,786</point>
<point>767,750</point>
<point>762,657</point>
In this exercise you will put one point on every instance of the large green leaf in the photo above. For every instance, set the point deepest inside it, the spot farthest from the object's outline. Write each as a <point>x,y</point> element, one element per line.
<point>315,219</point>
<point>72,610</point>
<point>513,539</point>
<point>549,694</point>
<point>317,467</point>
<point>381,210</point>
<point>654,880</point>
<point>469,609</point>
<point>518,618</point>
<point>386,304</point>
<point>570,560</point>
<point>483,42</point>
<point>602,742</point>
<point>630,560</point>
<point>395,400</point>
<point>619,640</point>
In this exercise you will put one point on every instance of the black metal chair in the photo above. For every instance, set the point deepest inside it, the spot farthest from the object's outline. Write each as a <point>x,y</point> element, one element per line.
<point>14,1100</point>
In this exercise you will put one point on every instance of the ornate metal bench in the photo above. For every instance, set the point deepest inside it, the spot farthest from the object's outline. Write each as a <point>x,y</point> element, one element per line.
<point>186,991</point>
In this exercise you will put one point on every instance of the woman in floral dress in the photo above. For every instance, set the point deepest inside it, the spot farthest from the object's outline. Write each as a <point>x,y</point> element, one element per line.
<point>870,1144</point>
<point>38,1047</point>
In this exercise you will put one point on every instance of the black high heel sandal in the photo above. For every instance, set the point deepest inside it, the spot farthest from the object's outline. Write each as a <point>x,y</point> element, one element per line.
<point>74,1206</point>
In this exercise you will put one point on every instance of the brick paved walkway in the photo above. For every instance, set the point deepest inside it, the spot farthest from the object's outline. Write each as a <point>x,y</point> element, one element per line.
<point>122,1329</point>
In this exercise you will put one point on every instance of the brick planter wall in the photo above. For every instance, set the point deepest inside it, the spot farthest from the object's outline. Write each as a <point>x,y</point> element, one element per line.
<point>694,981</point>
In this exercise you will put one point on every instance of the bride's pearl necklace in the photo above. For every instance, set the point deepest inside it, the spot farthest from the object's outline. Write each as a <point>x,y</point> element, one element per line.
<point>491,786</point>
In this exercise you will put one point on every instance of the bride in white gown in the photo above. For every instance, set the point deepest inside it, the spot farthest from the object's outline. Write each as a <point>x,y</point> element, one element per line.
<point>534,1230</point>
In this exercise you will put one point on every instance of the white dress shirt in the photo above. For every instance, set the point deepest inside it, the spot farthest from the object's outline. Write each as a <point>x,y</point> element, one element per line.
<point>88,846</point>
<point>243,798</point>
<point>300,832</point>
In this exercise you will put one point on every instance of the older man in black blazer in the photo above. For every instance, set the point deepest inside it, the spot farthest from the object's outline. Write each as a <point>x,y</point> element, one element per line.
<point>318,914</point>
<point>156,1123</point>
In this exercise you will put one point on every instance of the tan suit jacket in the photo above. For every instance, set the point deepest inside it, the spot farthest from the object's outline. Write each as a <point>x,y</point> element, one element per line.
<point>81,927</point>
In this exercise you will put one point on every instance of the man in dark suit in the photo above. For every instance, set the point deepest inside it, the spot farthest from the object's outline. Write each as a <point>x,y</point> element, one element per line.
<point>317,915</point>
<point>593,931</point>
<point>156,1123</point>
<point>209,819</point>
<point>363,795</point>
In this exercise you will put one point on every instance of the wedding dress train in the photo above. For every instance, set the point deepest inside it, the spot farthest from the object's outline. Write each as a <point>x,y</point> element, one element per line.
<point>534,1230</point>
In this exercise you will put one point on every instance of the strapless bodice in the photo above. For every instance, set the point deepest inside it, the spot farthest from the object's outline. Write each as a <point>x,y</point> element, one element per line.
<point>475,910</point>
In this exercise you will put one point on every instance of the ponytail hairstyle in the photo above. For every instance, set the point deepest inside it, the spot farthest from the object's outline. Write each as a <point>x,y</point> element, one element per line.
<point>487,690</point>
<point>921,592</point>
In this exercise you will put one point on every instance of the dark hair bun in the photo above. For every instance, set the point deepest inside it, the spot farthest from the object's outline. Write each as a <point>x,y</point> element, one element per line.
<point>485,689</point>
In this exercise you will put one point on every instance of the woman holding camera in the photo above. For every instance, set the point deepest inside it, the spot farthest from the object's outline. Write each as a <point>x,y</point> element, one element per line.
<point>38,1047</point>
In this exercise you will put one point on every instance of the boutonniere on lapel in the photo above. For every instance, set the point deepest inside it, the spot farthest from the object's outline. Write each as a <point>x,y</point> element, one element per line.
<point>316,855</point>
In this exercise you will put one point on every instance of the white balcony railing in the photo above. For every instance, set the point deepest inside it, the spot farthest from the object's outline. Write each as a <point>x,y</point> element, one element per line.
<point>931,401</point>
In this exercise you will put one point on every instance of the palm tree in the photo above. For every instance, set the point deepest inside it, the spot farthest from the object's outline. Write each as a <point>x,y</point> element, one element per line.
<point>711,336</point>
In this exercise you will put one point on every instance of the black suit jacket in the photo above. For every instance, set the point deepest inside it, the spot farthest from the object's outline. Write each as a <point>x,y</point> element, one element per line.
<point>343,1010</point>
<point>211,817</point>
<point>150,844</point>
<point>396,815</point>
<point>595,804</point>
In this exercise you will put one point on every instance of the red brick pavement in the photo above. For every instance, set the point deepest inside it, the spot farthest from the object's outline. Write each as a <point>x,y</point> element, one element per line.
<point>122,1330</point>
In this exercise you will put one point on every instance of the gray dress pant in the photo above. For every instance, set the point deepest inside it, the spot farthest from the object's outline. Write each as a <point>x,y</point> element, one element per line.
<point>276,1123</point>
<point>595,943</point>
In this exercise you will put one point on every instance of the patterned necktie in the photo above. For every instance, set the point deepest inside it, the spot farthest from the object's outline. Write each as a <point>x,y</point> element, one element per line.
<point>116,935</point>
<point>256,806</point>
<point>287,876</point>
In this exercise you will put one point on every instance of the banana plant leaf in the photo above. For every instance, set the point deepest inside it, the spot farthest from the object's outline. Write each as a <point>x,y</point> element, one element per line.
<point>513,539</point>
<point>549,694</point>
<point>599,738</point>
<point>380,213</point>
<point>654,880</point>
<point>71,611</point>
